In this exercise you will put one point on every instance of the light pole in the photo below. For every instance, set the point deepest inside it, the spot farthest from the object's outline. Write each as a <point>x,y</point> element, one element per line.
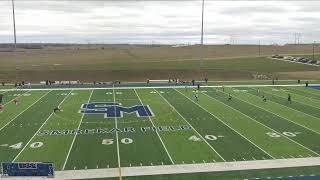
<point>259,48</point>
<point>314,43</point>
<point>15,41</point>
<point>14,25</point>
<point>201,55</point>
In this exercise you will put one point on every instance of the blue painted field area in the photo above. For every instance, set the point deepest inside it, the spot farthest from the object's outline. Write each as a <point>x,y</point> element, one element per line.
<point>315,87</point>
<point>299,178</point>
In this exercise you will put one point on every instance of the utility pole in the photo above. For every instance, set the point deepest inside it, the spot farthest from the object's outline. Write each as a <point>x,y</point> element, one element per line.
<point>15,41</point>
<point>314,43</point>
<point>259,48</point>
<point>201,53</point>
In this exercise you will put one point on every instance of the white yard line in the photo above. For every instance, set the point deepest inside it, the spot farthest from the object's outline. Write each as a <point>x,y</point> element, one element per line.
<point>39,129</point>
<point>117,137</point>
<point>298,101</point>
<point>308,92</point>
<point>293,109</point>
<point>16,96</point>
<point>289,119</point>
<point>191,127</point>
<point>164,146</point>
<point>289,90</point>
<point>74,138</point>
<point>188,168</point>
<point>275,130</point>
<point>234,129</point>
<point>24,111</point>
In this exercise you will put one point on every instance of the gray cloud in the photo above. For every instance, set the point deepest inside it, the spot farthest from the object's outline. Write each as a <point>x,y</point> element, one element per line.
<point>161,21</point>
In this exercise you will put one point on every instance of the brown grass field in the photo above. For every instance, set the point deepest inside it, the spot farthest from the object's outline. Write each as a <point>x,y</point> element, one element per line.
<point>221,62</point>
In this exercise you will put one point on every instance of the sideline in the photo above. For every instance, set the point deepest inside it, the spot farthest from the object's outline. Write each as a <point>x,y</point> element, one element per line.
<point>156,87</point>
<point>187,168</point>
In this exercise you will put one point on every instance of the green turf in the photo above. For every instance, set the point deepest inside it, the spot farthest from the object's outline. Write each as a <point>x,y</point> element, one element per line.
<point>207,124</point>
<point>213,129</point>
<point>24,126</point>
<point>246,126</point>
<point>176,141</point>
<point>55,148</point>
<point>89,146</point>
<point>253,106</point>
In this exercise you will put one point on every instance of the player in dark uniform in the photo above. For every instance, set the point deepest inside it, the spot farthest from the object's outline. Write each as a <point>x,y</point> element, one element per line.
<point>229,97</point>
<point>289,99</point>
<point>56,109</point>
<point>264,99</point>
<point>196,95</point>
<point>198,87</point>
<point>1,103</point>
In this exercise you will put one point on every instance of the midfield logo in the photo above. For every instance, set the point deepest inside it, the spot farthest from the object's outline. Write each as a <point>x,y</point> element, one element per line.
<point>112,110</point>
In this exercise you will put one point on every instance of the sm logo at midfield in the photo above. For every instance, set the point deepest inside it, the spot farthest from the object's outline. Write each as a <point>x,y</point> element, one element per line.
<point>112,110</point>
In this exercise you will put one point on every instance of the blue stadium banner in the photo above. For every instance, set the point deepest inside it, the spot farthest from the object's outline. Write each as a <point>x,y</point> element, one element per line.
<point>9,169</point>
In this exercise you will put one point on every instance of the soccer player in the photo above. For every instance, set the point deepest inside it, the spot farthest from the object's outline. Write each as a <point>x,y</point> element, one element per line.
<point>289,98</point>
<point>1,107</point>
<point>264,98</point>
<point>229,97</point>
<point>1,103</point>
<point>196,95</point>
<point>16,101</point>
<point>56,109</point>
<point>307,84</point>
<point>198,87</point>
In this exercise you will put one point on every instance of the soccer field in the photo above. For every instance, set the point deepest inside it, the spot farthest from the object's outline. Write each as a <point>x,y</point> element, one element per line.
<point>129,127</point>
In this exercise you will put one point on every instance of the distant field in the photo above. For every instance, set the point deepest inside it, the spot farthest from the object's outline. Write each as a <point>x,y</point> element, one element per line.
<point>131,64</point>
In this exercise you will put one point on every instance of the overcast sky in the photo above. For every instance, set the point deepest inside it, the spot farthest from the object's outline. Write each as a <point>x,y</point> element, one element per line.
<point>160,21</point>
